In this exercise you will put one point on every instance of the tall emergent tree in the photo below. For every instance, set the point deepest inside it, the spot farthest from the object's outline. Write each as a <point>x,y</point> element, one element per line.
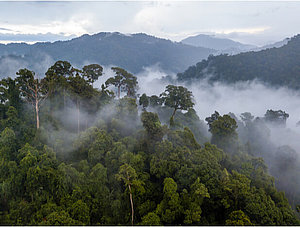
<point>80,89</point>
<point>128,175</point>
<point>124,81</point>
<point>57,77</point>
<point>144,101</point>
<point>178,98</point>
<point>277,117</point>
<point>224,134</point>
<point>33,89</point>
<point>92,72</point>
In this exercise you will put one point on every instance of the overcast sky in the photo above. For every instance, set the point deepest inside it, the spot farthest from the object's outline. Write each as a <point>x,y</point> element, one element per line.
<point>250,22</point>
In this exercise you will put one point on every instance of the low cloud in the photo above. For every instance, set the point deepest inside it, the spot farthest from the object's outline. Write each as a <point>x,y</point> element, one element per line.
<point>251,96</point>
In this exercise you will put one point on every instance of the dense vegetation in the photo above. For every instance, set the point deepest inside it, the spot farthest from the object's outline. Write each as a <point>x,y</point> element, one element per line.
<point>96,159</point>
<point>133,52</point>
<point>275,66</point>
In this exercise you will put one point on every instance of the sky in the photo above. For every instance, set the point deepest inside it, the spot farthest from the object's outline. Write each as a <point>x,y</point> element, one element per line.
<point>251,22</point>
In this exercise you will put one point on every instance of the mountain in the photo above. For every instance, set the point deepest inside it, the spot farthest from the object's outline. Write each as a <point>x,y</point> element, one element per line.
<point>132,52</point>
<point>221,44</point>
<point>275,66</point>
<point>276,44</point>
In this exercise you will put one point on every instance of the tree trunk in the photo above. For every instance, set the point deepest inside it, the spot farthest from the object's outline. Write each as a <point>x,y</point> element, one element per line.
<point>174,112</point>
<point>119,88</point>
<point>131,202</point>
<point>172,118</point>
<point>37,114</point>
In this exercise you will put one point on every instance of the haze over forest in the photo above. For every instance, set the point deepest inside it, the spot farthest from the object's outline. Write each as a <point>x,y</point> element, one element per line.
<point>165,120</point>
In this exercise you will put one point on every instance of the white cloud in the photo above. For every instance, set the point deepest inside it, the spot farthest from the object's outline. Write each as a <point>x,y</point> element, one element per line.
<point>74,26</point>
<point>253,22</point>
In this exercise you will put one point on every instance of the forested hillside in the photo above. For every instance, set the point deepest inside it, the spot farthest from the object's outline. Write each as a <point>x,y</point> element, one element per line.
<point>275,66</point>
<point>133,52</point>
<point>75,154</point>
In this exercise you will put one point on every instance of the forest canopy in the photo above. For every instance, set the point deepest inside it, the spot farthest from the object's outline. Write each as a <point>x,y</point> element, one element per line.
<point>75,154</point>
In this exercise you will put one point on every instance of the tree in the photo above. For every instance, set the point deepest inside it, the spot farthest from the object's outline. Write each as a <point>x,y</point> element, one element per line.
<point>124,81</point>
<point>128,175</point>
<point>81,89</point>
<point>150,219</point>
<point>278,117</point>
<point>92,72</point>
<point>33,89</point>
<point>10,93</point>
<point>238,218</point>
<point>178,98</point>
<point>57,76</point>
<point>170,208</point>
<point>224,133</point>
<point>154,100</point>
<point>144,101</point>
<point>152,125</point>
<point>215,116</point>
<point>247,117</point>
<point>194,201</point>
<point>12,121</point>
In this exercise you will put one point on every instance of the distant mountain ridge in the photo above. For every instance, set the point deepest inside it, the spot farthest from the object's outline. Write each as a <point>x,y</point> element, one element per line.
<point>274,66</point>
<point>223,45</point>
<point>132,52</point>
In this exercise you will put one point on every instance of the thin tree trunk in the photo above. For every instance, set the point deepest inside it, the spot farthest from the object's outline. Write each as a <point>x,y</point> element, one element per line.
<point>172,117</point>
<point>131,202</point>
<point>174,112</point>
<point>119,88</point>
<point>37,114</point>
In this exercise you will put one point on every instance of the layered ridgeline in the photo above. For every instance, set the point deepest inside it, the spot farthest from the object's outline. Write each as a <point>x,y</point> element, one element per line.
<point>81,155</point>
<point>223,45</point>
<point>133,52</point>
<point>274,66</point>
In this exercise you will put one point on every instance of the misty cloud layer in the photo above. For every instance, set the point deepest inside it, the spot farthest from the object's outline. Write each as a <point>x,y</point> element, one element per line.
<point>253,97</point>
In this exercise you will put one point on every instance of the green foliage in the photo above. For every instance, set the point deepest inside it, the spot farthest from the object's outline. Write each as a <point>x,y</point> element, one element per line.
<point>224,133</point>
<point>152,125</point>
<point>275,66</point>
<point>238,218</point>
<point>144,101</point>
<point>150,219</point>
<point>130,169</point>
<point>92,72</point>
<point>124,81</point>
<point>178,98</point>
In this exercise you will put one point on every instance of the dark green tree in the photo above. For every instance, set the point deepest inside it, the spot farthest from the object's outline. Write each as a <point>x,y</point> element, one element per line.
<point>224,133</point>
<point>34,90</point>
<point>92,72</point>
<point>144,101</point>
<point>178,98</point>
<point>124,81</point>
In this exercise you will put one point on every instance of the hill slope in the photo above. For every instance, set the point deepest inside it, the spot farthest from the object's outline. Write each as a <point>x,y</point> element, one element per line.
<point>275,66</point>
<point>221,44</point>
<point>132,52</point>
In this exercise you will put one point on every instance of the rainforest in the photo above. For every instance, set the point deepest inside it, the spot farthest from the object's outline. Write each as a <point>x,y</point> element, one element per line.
<point>76,152</point>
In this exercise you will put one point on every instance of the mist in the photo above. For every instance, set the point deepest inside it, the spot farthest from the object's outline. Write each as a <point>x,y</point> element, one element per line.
<point>39,63</point>
<point>251,96</point>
